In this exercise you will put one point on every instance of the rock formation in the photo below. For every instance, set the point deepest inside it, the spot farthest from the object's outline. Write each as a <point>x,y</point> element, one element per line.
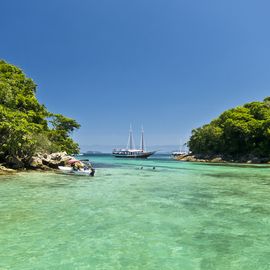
<point>49,161</point>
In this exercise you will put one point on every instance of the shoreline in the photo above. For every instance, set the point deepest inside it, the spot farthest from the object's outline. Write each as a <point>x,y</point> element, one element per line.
<point>6,171</point>
<point>220,159</point>
<point>42,162</point>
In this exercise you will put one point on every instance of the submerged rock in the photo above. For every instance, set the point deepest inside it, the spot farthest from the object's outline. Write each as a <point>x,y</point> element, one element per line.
<point>4,170</point>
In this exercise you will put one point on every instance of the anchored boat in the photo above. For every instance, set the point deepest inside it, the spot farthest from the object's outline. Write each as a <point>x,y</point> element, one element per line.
<point>182,151</point>
<point>78,167</point>
<point>69,170</point>
<point>131,151</point>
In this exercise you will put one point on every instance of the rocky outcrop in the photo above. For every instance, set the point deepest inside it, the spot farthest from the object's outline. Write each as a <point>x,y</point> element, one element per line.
<point>49,161</point>
<point>190,158</point>
<point>217,160</point>
<point>221,159</point>
<point>210,159</point>
<point>40,161</point>
<point>36,162</point>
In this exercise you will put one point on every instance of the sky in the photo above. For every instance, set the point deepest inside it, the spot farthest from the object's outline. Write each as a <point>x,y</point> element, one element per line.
<point>169,65</point>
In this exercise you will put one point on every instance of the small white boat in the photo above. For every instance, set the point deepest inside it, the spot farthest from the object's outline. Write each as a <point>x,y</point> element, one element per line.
<point>183,151</point>
<point>70,170</point>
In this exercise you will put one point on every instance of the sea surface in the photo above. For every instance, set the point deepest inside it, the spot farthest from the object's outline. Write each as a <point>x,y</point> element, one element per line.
<point>137,214</point>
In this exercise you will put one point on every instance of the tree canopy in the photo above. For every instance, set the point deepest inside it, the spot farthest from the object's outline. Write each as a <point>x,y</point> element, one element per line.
<point>25,123</point>
<point>243,131</point>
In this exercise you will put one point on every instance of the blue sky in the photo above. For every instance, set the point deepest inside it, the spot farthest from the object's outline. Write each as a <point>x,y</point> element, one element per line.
<point>169,65</point>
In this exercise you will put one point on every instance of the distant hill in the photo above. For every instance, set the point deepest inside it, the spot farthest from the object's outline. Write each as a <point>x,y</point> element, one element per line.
<point>92,153</point>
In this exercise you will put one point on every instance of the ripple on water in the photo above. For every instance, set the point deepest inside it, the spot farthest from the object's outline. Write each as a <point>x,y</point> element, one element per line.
<point>181,216</point>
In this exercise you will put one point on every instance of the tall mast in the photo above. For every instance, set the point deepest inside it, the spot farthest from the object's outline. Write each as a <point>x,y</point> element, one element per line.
<point>142,141</point>
<point>130,144</point>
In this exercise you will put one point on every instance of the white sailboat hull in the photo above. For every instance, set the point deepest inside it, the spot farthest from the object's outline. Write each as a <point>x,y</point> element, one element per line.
<point>132,154</point>
<point>70,170</point>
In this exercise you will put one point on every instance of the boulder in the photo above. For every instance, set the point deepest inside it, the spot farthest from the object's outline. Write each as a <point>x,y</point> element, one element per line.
<point>36,162</point>
<point>217,160</point>
<point>45,161</point>
<point>188,158</point>
<point>58,155</point>
<point>53,163</point>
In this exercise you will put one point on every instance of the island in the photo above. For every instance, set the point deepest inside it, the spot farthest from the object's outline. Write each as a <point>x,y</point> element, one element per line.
<point>240,134</point>
<point>31,137</point>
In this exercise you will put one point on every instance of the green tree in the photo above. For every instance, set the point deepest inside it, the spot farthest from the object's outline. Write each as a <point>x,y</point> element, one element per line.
<point>240,132</point>
<point>62,129</point>
<point>24,122</point>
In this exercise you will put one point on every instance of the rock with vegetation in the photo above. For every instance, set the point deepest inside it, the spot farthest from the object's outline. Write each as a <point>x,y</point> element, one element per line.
<point>241,134</point>
<point>26,126</point>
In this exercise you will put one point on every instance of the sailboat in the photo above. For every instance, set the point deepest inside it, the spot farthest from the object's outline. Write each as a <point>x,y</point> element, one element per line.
<point>130,151</point>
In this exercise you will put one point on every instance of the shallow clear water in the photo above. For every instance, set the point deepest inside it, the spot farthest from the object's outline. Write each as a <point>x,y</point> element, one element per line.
<point>178,216</point>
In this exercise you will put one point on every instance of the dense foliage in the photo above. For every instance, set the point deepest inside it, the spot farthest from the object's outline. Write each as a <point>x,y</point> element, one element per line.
<point>241,132</point>
<point>26,127</point>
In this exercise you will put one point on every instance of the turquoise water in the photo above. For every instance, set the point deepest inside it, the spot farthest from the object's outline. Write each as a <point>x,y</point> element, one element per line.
<point>178,216</point>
